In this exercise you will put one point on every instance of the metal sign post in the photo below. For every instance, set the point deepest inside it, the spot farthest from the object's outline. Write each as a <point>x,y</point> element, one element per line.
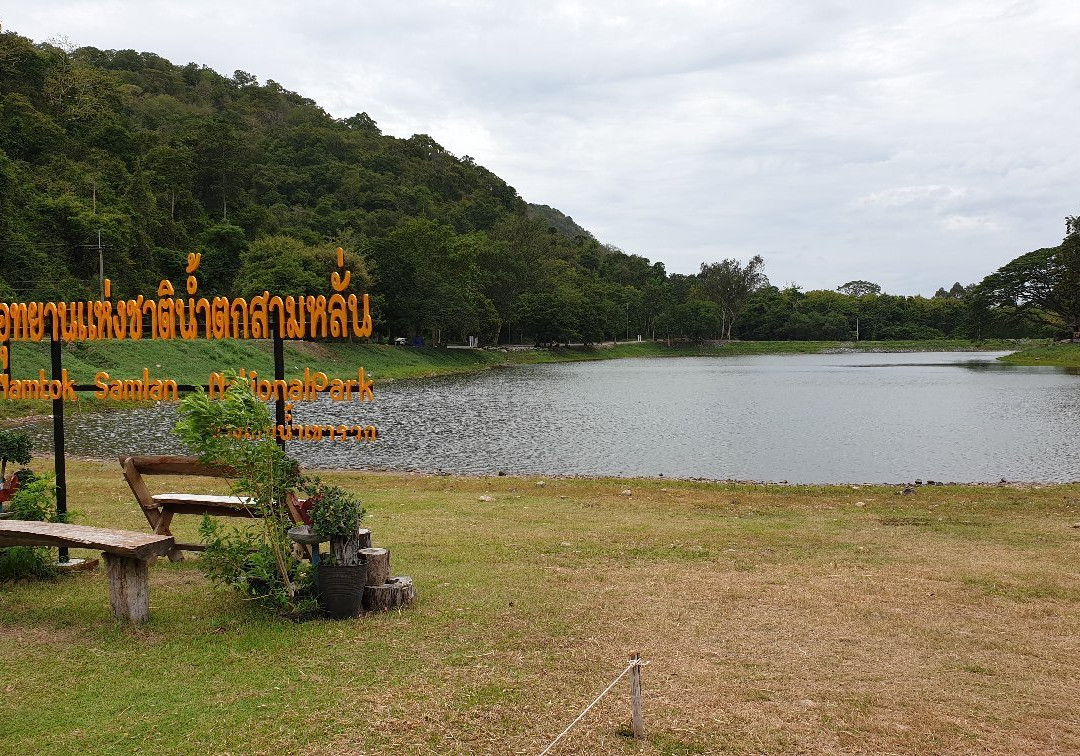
<point>279,375</point>
<point>59,462</point>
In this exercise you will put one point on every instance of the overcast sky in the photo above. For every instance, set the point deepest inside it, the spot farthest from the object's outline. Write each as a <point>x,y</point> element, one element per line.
<point>909,143</point>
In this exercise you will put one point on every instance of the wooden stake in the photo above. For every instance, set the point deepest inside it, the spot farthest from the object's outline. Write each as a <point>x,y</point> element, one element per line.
<point>637,721</point>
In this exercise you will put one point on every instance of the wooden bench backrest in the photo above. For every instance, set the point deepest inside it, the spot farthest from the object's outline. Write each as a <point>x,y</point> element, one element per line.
<point>135,467</point>
<point>174,465</point>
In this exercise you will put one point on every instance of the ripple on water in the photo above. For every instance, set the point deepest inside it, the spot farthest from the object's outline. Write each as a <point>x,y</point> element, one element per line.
<point>800,418</point>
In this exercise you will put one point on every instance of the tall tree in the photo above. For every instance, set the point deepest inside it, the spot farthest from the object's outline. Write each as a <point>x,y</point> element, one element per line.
<point>1041,287</point>
<point>859,288</point>
<point>729,284</point>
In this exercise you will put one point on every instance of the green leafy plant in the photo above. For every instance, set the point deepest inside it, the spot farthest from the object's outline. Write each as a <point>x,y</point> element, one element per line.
<point>336,515</point>
<point>245,561</point>
<point>337,512</point>
<point>25,475</point>
<point>26,563</point>
<point>236,431</point>
<point>15,447</point>
<point>36,500</point>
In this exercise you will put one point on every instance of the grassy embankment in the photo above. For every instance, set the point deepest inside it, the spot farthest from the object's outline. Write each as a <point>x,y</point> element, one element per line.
<point>776,619</point>
<point>1058,355</point>
<point>193,361</point>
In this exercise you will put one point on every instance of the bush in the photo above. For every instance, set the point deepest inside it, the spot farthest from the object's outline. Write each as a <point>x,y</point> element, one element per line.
<point>336,516</point>
<point>337,512</point>
<point>26,563</point>
<point>36,500</point>
<point>244,560</point>
<point>25,475</point>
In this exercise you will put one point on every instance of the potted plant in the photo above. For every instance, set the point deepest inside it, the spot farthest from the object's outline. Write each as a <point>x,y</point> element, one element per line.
<point>335,516</point>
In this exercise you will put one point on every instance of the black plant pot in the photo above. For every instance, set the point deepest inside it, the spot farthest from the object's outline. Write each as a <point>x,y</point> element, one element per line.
<point>341,589</point>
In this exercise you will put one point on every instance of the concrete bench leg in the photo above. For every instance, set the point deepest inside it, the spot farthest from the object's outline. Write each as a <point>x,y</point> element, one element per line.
<point>129,587</point>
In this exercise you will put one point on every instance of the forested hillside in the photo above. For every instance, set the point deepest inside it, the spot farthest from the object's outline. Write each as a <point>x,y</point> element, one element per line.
<point>124,154</point>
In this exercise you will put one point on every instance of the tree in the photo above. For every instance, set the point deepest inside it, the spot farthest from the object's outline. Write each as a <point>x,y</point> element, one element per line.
<point>14,447</point>
<point>859,288</point>
<point>694,319</point>
<point>224,246</point>
<point>283,265</point>
<point>1041,287</point>
<point>729,284</point>
<point>551,316</point>
<point>958,292</point>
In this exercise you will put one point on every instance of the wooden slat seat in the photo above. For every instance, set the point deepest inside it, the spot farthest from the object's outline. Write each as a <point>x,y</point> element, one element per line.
<point>183,498</point>
<point>127,555</point>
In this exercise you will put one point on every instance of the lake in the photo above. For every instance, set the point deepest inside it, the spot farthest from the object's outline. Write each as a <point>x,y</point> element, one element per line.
<point>873,418</point>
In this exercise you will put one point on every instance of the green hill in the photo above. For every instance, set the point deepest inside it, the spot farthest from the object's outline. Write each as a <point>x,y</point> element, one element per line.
<point>153,160</point>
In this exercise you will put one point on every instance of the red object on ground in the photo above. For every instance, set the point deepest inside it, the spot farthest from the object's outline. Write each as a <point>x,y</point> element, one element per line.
<point>11,485</point>
<point>304,508</point>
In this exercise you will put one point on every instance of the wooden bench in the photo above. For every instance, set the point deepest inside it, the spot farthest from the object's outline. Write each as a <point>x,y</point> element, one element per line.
<point>159,509</point>
<point>127,555</point>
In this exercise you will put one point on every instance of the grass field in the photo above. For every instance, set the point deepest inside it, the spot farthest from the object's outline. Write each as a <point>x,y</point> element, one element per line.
<point>1058,355</point>
<point>776,619</point>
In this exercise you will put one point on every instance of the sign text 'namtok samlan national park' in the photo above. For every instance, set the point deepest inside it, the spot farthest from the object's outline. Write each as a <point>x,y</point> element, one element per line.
<point>168,317</point>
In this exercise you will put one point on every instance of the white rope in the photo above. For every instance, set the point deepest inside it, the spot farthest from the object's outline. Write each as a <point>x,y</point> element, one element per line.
<point>630,666</point>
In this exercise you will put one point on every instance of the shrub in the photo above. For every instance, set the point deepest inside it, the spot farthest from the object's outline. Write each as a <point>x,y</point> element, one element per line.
<point>236,431</point>
<point>36,500</point>
<point>336,516</point>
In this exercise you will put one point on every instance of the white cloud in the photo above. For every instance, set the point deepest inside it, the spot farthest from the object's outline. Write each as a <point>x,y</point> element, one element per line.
<point>934,194</point>
<point>969,223</point>
<point>838,139</point>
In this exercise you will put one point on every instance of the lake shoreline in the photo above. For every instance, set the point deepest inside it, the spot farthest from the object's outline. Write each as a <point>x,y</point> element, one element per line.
<point>902,487</point>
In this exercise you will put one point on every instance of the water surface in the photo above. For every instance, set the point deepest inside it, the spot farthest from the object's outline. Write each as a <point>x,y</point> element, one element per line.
<point>796,418</point>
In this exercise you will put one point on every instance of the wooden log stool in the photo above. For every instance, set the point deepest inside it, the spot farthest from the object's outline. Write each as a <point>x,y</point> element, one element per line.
<point>382,592</point>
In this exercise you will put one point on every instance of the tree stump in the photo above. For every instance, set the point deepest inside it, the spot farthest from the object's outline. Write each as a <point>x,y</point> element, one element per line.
<point>394,593</point>
<point>378,565</point>
<point>364,536</point>
<point>346,550</point>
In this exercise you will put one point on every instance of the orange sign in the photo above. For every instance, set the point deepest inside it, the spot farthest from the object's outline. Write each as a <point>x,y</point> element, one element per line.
<point>169,317</point>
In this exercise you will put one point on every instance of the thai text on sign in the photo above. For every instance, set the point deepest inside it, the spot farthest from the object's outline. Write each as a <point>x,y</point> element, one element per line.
<point>170,317</point>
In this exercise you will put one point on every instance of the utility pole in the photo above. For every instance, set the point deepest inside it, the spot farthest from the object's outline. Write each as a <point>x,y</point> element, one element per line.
<point>101,265</point>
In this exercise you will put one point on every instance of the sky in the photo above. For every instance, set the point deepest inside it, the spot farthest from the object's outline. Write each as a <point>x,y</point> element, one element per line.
<point>912,144</point>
